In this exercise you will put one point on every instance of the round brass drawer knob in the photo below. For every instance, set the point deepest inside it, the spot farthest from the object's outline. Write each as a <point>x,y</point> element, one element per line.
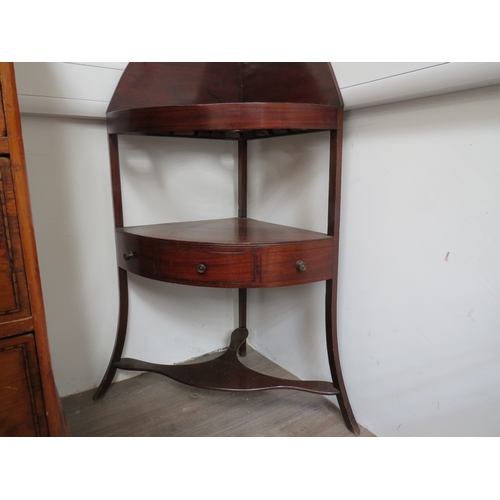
<point>201,268</point>
<point>301,265</point>
<point>128,255</point>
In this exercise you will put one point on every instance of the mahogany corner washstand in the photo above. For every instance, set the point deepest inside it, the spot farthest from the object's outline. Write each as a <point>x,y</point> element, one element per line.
<point>239,102</point>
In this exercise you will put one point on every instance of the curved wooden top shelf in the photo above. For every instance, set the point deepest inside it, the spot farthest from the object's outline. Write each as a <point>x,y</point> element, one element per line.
<point>225,100</point>
<point>232,120</point>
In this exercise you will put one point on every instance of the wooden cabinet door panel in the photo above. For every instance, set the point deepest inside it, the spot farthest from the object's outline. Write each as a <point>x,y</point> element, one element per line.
<point>22,411</point>
<point>14,303</point>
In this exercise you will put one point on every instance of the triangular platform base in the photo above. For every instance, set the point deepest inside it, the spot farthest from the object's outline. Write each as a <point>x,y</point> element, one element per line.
<point>227,372</point>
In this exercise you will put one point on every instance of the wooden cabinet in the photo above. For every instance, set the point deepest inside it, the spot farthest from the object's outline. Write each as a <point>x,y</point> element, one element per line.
<point>29,403</point>
<point>14,302</point>
<point>22,409</point>
<point>238,102</point>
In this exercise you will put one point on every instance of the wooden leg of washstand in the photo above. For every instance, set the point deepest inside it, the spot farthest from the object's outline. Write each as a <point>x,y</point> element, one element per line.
<point>242,214</point>
<point>120,335</point>
<point>242,313</point>
<point>334,359</point>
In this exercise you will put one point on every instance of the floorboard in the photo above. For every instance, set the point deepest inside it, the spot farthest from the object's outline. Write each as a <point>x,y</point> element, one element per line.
<point>152,405</point>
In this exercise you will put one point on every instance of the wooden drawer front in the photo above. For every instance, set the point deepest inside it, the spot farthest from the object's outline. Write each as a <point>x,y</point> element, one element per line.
<point>14,303</point>
<point>22,411</point>
<point>220,268</point>
<point>280,267</point>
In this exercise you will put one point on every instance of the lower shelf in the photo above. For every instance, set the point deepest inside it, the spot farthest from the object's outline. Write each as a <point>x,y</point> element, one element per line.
<point>227,373</point>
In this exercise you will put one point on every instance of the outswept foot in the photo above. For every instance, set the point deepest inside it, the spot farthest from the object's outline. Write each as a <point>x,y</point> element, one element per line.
<point>121,333</point>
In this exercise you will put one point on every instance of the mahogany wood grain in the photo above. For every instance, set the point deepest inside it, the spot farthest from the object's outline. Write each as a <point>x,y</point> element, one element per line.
<point>220,268</point>
<point>281,267</point>
<point>222,117</point>
<point>176,84</point>
<point>305,82</point>
<point>182,84</point>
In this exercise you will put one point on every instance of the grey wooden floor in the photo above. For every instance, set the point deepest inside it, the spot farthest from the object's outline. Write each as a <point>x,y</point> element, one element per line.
<point>153,405</point>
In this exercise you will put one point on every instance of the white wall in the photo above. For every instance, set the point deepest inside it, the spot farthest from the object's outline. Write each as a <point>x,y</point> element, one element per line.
<point>419,297</point>
<point>72,213</point>
<point>68,168</point>
<point>419,274</point>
